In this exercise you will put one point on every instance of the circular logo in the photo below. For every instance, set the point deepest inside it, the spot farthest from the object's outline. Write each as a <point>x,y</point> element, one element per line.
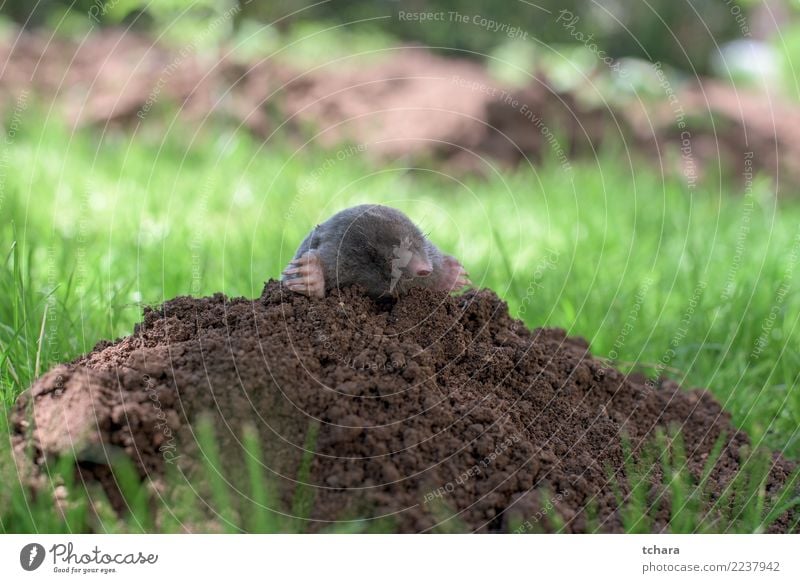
<point>31,556</point>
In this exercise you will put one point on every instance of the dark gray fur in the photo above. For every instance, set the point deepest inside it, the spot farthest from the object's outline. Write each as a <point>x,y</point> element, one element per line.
<point>356,246</point>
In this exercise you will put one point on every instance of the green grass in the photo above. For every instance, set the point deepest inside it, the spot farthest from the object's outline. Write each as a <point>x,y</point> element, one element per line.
<point>743,506</point>
<point>93,226</point>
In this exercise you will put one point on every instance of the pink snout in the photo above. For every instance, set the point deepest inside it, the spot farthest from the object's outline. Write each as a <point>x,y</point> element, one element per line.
<point>419,266</point>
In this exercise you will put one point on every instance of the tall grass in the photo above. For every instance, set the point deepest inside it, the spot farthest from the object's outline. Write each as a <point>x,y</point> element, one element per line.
<point>743,505</point>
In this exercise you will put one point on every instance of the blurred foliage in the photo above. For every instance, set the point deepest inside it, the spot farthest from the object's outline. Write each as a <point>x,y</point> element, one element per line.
<point>685,34</point>
<point>787,46</point>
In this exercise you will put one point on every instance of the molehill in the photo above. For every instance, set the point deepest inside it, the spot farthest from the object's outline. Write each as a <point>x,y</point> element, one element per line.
<point>430,412</point>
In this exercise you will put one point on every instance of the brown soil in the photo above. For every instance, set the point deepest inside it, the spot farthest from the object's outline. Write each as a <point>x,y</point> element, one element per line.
<point>434,411</point>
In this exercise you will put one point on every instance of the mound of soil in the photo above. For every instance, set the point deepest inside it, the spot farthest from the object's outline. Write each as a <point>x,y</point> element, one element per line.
<point>432,410</point>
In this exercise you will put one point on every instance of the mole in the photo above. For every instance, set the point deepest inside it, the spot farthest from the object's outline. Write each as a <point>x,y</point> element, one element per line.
<point>376,247</point>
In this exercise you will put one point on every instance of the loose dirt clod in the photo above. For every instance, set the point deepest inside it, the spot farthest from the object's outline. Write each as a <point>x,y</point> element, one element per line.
<point>432,412</point>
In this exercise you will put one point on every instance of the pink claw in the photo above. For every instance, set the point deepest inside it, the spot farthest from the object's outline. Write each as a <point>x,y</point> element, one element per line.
<point>304,275</point>
<point>454,276</point>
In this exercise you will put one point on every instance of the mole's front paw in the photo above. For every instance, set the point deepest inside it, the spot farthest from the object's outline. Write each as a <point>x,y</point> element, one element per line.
<point>453,276</point>
<point>304,275</point>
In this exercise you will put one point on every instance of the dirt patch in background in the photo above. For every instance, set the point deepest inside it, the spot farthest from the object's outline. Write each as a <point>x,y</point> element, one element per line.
<point>431,408</point>
<point>405,103</point>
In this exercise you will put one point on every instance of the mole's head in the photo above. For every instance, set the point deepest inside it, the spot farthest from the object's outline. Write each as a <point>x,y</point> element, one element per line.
<point>391,242</point>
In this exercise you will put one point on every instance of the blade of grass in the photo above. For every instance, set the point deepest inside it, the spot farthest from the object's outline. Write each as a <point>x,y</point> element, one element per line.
<point>303,500</point>
<point>213,465</point>
<point>36,368</point>
<point>264,517</point>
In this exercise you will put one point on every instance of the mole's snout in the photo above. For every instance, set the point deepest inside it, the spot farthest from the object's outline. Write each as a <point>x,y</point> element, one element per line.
<point>420,266</point>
